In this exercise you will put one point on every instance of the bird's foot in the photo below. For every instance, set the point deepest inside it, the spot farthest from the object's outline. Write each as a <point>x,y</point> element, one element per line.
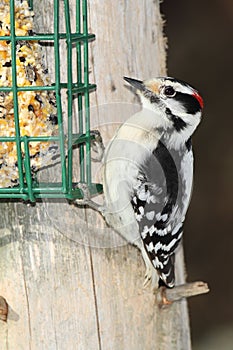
<point>97,146</point>
<point>151,277</point>
<point>86,200</point>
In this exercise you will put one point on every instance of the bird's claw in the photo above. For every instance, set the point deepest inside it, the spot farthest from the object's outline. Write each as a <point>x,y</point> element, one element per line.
<point>85,193</point>
<point>147,279</point>
<point>86,200</point>
<point>97,145</point>
<point>151,277</point>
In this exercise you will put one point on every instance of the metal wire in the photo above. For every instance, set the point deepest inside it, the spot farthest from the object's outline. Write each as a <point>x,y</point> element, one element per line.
<point>29,188</point>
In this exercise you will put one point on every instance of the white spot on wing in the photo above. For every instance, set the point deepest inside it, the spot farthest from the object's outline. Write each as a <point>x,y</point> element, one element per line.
<point>150,215</point>
<point>142,195</point>
<point>144,232</point>
<point>152,230</point>
<point>157,263</point>
<point>141,210</point>
<point>164,217</point>
<point>161,232</point>
<point>165,248</point>
<point>168,247</point>
<point>150,247</point>
<point>158,246</point>
<point>138,217</point>
<point>176,228</point>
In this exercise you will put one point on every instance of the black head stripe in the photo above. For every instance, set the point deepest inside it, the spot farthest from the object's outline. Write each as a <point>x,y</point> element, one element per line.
<point>189,102</point>
<point>188,144</point>
<point>178,123</point>
<point>154,99</point>
<point>181,82</point>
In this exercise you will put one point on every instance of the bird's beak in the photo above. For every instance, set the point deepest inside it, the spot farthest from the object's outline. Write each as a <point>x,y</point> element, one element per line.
<point>138,84</point>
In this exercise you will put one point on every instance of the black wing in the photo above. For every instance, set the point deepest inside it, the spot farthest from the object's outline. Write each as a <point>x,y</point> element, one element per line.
<point>154,202</point>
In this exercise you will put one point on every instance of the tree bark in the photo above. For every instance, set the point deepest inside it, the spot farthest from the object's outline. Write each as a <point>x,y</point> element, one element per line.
<point>69,281</point>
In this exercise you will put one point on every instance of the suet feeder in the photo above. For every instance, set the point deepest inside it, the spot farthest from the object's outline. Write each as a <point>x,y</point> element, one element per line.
<point>32,126</point>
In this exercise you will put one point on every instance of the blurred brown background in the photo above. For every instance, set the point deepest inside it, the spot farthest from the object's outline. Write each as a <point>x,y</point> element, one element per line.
<point>200,51</point>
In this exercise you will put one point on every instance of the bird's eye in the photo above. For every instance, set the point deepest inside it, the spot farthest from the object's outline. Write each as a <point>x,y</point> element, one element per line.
<point>169,91</point>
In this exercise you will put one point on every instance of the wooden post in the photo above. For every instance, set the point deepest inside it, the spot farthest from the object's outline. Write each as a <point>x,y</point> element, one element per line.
<point>69,281</point>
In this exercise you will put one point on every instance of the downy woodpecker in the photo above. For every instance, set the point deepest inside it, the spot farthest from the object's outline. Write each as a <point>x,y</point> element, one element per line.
<point>148,172</point>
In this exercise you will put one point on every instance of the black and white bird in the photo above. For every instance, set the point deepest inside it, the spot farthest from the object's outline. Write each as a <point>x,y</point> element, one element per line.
<point>148,172</point>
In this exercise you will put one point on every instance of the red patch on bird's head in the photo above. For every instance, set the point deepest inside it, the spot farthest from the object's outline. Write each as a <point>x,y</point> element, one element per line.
<point>199,98</point>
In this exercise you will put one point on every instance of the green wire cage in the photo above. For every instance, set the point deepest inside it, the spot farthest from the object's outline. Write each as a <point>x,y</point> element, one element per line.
<point>77,91</point>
